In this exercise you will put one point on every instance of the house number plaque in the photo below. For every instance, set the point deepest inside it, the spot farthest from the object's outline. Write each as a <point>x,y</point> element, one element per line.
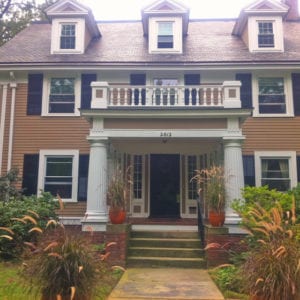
<point>165,134</point>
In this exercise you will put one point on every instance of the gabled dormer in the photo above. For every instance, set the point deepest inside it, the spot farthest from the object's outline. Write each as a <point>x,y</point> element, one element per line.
<point>165,22</point>
<point>260,26</point>
<point>73,27</point>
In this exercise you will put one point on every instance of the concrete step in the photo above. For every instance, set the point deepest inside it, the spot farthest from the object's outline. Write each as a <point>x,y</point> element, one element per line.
<point>158,262</point>
<point>165,234</point>
<point>165,242</point>
<point>166,252</point>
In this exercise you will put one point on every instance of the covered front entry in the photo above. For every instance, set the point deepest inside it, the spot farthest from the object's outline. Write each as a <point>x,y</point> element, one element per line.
<point>164,185</point>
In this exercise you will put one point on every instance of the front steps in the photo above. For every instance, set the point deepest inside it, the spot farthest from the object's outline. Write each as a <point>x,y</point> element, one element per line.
<point>178,249</point>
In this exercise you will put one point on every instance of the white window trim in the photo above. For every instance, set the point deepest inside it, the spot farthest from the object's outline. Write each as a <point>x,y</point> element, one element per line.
<point>153,34</point>
<point>287,91</point>
<point>46,94</point>
<point>75,166</point>
<point>290,155</point>
<point>277,31</point>
<point>79,38</point>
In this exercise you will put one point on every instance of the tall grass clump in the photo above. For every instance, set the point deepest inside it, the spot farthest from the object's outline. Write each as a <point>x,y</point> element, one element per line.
<point>272,266</point>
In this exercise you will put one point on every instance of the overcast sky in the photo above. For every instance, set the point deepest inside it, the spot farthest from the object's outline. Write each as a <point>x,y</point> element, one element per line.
<point>131,9</point>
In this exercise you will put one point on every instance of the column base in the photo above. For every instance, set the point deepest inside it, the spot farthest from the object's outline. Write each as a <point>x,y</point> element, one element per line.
<point>94,221</point>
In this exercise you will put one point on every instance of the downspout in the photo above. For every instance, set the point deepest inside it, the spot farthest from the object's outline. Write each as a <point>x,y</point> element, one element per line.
<point>2,123</point>
<point>13,86</point>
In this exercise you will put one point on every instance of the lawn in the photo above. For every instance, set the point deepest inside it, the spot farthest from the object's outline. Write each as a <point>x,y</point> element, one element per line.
<point>12,288</point>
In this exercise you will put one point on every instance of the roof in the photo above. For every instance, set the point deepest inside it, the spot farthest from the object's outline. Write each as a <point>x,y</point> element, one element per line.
<point>207,42</point>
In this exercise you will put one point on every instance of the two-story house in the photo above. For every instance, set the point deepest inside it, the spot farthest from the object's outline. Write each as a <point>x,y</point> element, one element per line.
<point>165,95</point>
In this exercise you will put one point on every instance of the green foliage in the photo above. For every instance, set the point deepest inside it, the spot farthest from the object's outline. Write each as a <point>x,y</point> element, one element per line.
<point>64,265</point>
<point>227,278</point>
<point>8,189</point>
<point>11,216</point>
<point>272,266</point>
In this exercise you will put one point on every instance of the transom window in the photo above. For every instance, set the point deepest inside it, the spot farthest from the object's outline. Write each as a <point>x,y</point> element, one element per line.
<point>165,38</point>
<point>62,95</point>
<point>275,173</point>
<point>67,37</point>
<point>58,176</point>
<point>271,95</point>
<point>138,176</point>
<point>265,35</point>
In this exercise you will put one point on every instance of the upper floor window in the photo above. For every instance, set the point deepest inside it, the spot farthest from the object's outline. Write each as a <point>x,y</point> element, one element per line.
<point>271,96</point>
<point>165,38</point>
<point>265,35</point>
<point>62,95</point>
<point>68,36</point>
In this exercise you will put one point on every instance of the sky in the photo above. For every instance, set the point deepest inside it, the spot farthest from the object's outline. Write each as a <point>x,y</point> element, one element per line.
<point>131,9</point>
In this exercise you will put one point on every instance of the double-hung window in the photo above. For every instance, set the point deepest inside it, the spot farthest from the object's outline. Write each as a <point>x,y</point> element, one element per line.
<point>58,173</point>
<point>276,169</point>
<point>68,36</point>
<point>62,95</point>
<point>192,184</point>
<point>265,35</point>
<point>165,37</point>
<point>271,98</point>
<point>138,177</point>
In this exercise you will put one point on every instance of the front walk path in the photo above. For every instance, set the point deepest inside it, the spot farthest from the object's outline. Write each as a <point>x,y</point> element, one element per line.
<point>165,283</point>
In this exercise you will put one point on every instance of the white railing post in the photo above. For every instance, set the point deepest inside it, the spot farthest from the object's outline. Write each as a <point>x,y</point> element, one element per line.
<point>100,94</point>
<point>231,94</point>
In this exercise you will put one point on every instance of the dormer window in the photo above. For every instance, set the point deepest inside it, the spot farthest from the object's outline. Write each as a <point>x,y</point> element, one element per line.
<point>265,34</point>
<point>165,37</point>
<point>68,36</point>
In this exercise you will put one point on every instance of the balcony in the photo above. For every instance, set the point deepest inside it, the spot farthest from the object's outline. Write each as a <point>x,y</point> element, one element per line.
<point>226,95</point>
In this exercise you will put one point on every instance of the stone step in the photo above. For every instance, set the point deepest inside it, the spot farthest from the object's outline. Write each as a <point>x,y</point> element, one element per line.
<point>165,242</point>
<point>166,252</point>
<point>156,262</point>
<point>165,234</point>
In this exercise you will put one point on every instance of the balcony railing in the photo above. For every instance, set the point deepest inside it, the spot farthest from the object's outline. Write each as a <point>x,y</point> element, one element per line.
<point>226,95</point>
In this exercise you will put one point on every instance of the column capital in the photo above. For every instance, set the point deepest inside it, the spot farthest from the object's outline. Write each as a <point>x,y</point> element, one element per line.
<point>100,141</point>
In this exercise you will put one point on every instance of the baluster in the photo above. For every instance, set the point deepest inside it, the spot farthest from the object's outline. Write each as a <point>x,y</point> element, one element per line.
<point>140,97</point>
<point>197,96</point>
<point>190,98</point>
<point>168,96</point>
<point>132,96</point>
<point>219,96</point>
<point>205,96</point>
<point>161,98</point>
<point>125,96</point>
<point>110,100</point>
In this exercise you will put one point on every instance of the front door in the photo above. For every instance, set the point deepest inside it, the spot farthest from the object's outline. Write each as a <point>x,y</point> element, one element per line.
<point>165,185</point>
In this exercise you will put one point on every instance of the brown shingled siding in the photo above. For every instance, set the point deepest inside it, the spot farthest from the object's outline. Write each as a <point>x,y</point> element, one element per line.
<point>32,133</point>
<point>166,124</point>
<point>275,134</point>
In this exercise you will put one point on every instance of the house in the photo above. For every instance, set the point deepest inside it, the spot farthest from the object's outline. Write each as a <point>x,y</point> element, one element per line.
<point>165,95</point>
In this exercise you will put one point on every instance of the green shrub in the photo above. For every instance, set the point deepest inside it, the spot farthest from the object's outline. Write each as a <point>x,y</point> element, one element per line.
<point>11,216</point>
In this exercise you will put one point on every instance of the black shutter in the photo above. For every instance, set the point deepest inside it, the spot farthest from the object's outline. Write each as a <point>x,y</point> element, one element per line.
<point>83,176</point>
<point>35,94</point>
<point>249,170</point>
<point>138,79</point>
<point>298,168</point>
<point>246,89</point>
<point>30,174</point>
<point>86,90</point>
<point>191,79</point>
<point>296,93</point>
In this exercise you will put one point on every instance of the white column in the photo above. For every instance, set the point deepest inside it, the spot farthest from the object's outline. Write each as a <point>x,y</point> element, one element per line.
<point>2,123</point>
<point>234,172</point>
<point>96,214</point>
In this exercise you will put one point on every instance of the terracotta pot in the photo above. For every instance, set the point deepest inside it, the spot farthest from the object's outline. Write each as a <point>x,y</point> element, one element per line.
<point>117,216</point>
<point>216,219</point>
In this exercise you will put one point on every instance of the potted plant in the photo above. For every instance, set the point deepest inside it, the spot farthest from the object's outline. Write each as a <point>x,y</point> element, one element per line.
<point>118,193</point>
<point>212,181</point>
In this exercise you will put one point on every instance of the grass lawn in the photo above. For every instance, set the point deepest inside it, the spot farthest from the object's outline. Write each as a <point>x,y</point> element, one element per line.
<point>12,288</point>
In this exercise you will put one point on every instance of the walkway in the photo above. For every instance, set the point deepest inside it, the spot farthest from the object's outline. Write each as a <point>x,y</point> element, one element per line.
<point>166,283</point>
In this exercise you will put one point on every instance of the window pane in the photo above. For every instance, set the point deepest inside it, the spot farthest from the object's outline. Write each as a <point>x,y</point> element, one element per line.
<point>271,95</point>
<point>165,38</point>
<point>192,184</point>
<point>67,38</point>
<point>62,97</point>
<point>265,36</point>
<point>138,176</point>
<point>58,179</point>
<point>275,173</point>
<point>165,28</point>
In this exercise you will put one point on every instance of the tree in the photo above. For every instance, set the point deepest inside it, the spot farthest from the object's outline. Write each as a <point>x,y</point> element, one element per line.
<point>15,15</point>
